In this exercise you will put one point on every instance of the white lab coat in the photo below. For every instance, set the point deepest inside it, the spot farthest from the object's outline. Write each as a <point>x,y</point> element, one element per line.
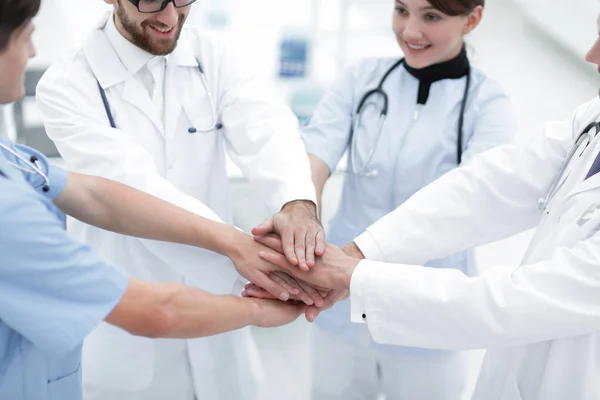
<point>539,322</point>
<point>260,135</point>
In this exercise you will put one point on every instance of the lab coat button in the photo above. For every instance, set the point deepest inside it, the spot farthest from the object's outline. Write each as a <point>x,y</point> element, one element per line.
<point>364,316</point>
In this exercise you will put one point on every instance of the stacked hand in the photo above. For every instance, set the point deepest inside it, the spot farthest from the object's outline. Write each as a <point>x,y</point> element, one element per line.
<point>333,270</point>
<point>289,260</point>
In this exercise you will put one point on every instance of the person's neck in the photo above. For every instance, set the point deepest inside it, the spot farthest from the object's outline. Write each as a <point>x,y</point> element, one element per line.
<point>454,68</point>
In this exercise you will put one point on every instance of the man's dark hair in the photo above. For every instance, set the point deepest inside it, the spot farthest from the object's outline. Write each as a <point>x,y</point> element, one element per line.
<point>13,15</point>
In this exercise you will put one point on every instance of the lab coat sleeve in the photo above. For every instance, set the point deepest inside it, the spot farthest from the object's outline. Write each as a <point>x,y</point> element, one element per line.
<point>75,120</point>
<point>262,134</point>
<point>494,120</point>
<point>53,290</point>
<point>327,134</point>
<point>494,195</point>
<point>424,307</point>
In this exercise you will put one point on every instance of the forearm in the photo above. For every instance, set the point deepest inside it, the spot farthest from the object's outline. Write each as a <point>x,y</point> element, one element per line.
<point>320,173</point>
<point>119,208</point>
<point>175,311</point>
<point>197,313</point>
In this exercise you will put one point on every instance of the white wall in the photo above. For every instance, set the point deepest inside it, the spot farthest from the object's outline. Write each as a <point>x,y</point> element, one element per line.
<point>570,23</point>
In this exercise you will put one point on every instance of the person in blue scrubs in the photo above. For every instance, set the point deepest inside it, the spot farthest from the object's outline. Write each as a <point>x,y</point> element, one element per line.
<point>434,97</point>
<point>55,290</point>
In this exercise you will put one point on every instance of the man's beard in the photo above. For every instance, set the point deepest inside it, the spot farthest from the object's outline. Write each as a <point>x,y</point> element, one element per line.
<point>143,40</point>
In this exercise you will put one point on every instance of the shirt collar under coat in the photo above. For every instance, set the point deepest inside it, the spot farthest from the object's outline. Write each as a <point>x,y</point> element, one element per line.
<point>114,59</point>
<point>455,68</point>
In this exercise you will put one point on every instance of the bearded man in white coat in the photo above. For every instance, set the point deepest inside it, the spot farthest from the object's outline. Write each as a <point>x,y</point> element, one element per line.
<point>155,106</point>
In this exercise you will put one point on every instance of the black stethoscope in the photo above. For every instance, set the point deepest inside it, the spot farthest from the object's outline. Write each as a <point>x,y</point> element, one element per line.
<point>33,166</point>
<point>378,91</point>
<point>585,138</point>
<point>213,125</point>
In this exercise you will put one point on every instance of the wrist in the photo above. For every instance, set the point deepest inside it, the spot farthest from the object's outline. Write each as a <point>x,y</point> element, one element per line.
<point>228,241</point>
<point>254,311</point>
<point>352,250</point>
<point>307,205</point>
<point>347,268</point>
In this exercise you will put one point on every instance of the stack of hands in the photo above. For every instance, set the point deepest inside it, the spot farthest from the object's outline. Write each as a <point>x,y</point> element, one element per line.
<point>289,261</point>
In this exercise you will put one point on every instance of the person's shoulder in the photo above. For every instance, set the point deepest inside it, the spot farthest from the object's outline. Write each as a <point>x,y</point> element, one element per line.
<point>19,197</point>
<point>485,84</point>
<point>204,40</point>
<point>65,68</point>
<point>485,90</point>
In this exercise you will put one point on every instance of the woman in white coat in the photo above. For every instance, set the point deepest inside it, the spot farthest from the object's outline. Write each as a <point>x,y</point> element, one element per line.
<point>440,112</point>
<point>119,108</point>
<point>540,322</point>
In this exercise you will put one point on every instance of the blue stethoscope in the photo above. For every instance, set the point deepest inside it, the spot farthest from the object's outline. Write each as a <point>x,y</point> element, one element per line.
<point>212,126</point>
<point>33,166</point>
<point>378,91</point>
<point>584,139</point>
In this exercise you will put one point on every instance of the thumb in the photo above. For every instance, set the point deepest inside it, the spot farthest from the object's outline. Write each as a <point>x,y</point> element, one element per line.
<point>311,313</point>
<point>266,227</point>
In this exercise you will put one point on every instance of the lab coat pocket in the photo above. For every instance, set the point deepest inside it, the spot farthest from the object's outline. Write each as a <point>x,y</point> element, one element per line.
<point>581,221</point>
<point>66,387</point>
<point>115,360</point>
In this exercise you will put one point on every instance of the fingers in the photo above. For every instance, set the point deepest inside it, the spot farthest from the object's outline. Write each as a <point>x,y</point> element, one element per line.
<point>333,297</point>
<point>289,284</point>
<point>320,243</point>
<point>257,292</point>
<point>264,228</point>
<point>300,247</point>
<point>277,259</point>
<point>311,239</point>
<point>301,293</point>
<point>287,241</point>
<point>317,298</point>
<point>272,241</point>
<point>274,288</point>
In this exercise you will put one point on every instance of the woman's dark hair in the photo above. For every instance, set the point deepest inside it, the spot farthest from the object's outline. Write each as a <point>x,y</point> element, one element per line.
<point>13,15</point>
<point>455,7</point>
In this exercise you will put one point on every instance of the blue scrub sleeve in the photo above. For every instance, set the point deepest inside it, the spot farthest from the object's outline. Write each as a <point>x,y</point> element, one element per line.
<point>56,175</point>
<point>53,289</point>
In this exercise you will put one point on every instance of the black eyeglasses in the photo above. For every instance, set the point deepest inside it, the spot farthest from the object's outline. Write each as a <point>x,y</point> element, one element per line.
<point>154,6</point>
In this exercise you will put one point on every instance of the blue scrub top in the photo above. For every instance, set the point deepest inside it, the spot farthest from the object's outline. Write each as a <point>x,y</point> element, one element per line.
<point>53,289</point>
<point>409,154</point>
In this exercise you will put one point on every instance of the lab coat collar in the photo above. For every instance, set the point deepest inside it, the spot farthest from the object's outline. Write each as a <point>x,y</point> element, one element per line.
<point>584,165</point>
<point>114,59</point>
<point>183,55</point>
<point>132,57</point>
<point>102,57</point>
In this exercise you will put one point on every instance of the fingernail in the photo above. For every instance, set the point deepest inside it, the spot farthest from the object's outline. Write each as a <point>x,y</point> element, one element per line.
<point>284,296</point>
<point>312,315</point>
